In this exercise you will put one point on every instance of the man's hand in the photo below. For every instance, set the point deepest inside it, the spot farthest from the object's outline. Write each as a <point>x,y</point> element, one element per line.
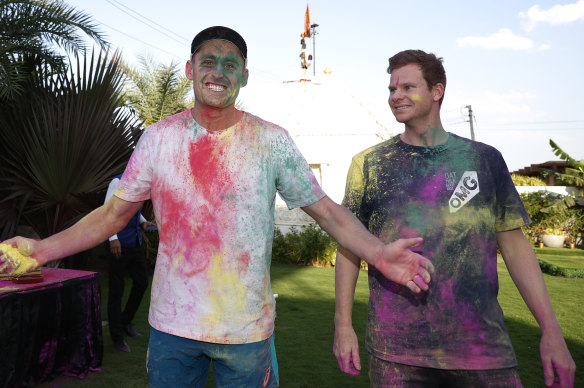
<point>400,264</point>
<point>395,260</point>
<point>15,256</point>
<point>116,248</point>
<point>346,350</point>
<point>558,366</point>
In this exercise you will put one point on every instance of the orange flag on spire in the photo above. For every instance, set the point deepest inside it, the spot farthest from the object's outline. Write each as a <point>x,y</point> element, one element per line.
<point>306,33</point>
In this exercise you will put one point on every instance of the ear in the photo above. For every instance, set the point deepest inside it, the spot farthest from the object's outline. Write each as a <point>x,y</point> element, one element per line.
<point>437,92</point>
<point>189,70</point>
<point>245,77</point>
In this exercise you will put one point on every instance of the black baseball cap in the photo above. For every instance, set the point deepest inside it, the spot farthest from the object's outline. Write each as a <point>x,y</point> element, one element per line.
<point>219,32</point>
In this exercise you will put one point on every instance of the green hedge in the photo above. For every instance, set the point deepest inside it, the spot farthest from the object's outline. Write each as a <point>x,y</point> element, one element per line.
<point>554,270</point>
<point>308,246</point>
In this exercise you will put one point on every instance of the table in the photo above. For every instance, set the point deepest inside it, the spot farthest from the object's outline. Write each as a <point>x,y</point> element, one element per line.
<point>50,328</point>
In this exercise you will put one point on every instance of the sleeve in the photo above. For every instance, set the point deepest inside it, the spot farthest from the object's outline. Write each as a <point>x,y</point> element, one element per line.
<point>355,188</point>
<point>510,212</point>
<point>110,192</point>
<point>295,181</point>
<point>137,178</point>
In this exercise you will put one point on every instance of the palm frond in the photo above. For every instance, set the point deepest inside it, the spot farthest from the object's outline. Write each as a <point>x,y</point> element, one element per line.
<point>156,91</point>
<point>564,155</point>
<point>41,29</point>
<point>559,205</point>
<point>64,139</point>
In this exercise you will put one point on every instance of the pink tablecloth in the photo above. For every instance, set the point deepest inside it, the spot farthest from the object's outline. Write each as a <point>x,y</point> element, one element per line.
<point>50,328</point>
<point>52,277</point>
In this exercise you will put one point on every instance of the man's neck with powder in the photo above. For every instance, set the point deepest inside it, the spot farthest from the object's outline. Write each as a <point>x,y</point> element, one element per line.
<point>217,119</point>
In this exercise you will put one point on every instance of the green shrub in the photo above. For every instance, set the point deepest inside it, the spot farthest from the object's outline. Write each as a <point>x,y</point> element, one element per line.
<point>309,246</point>
<point>554,270</point>
<point>522,180</point>
<point>567,221</point>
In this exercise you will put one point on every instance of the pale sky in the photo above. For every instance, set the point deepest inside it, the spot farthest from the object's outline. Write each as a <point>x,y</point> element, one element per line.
<point>518,64</point>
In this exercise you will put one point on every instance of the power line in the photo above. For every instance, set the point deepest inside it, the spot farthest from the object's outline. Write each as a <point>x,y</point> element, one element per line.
<point>139,40</point>
<point>513,128</point>
<point>455,122</point>
<point>449,111</point>
<point>262,73</point>
<point>267,74</point>
<point>184,40</point>
<point>535,122</point>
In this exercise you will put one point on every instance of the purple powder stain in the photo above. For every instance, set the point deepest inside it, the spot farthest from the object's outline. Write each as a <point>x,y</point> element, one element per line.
<point>431,190</point>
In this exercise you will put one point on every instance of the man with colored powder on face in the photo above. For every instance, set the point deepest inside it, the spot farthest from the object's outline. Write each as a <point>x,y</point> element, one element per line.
<point>212,173</point>
<point>457,195</point>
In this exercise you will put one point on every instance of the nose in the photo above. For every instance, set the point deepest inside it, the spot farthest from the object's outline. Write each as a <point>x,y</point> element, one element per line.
<point>395,95</point>
<point>218,72</point>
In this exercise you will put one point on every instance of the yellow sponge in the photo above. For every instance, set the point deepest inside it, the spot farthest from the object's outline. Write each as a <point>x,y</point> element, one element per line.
<point>13,262</point>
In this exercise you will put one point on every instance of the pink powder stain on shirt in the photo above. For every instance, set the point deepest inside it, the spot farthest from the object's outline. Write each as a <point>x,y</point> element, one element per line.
<point>185,238</point>
<point>453,307</point>
<point>192,230</point>
<point>131,172</point>
<point>244,262</point>
<point>408,232</point>
<point>208,168</point>
<point>386,313</point>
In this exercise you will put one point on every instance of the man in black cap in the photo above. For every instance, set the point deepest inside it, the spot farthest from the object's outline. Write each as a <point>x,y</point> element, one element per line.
<point>212,173</point>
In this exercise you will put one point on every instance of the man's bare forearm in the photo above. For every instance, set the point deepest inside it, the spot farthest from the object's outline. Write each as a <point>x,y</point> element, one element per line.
<point>88,232</point>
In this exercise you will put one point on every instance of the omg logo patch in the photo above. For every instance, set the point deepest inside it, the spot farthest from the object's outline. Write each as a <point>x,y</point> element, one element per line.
<point>467,188</point>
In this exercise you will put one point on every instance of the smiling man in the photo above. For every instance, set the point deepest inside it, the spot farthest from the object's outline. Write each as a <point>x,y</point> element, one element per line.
<point>212,173</point>
<point>458,195</point>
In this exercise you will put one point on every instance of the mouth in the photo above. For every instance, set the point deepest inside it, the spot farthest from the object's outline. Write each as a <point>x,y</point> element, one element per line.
<point>215,87</point>
<point>401,107</point>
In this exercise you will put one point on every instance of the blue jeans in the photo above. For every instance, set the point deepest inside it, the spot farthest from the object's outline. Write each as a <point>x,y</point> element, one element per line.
<point>181,362</point>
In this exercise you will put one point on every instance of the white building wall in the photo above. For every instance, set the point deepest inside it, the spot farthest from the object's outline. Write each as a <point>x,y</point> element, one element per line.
<point>329,126</point>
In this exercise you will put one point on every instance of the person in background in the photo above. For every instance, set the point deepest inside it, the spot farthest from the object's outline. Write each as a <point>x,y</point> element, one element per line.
<point>125,255</point>
<point>457,195</point>
<point>212,173</point>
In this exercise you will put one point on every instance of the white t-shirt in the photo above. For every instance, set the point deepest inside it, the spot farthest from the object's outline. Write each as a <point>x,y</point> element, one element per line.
<point>213,197</point>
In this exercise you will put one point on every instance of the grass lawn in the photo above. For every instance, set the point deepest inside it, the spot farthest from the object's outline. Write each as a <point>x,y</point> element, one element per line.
<point>562,257</point>
<point>304,331</point>
<point>565,262</point>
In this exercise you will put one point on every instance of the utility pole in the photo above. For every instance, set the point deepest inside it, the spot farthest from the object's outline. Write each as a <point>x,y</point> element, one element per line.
<point>313,28</point>
<point>470,119</point>
<point>309,31</point>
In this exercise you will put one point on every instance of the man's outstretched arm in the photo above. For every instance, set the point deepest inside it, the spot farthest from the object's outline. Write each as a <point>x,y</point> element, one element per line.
<point>394,260</point>
<point>91,230</point>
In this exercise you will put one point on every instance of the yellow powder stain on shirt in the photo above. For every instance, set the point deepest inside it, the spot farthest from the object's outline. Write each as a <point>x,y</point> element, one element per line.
<point>179,259</point>
<point>417,97</point>
<point>18,263</point>
<point>228,294</point>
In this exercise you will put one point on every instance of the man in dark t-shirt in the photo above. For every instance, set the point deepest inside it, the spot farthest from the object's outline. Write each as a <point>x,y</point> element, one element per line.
<point>458,195</point>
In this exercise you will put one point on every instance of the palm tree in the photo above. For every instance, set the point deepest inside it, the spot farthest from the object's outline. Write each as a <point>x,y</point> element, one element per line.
<point>156,91</point>
<point>35,32</point>
<point>64,138</point>
<point>572,176</point>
